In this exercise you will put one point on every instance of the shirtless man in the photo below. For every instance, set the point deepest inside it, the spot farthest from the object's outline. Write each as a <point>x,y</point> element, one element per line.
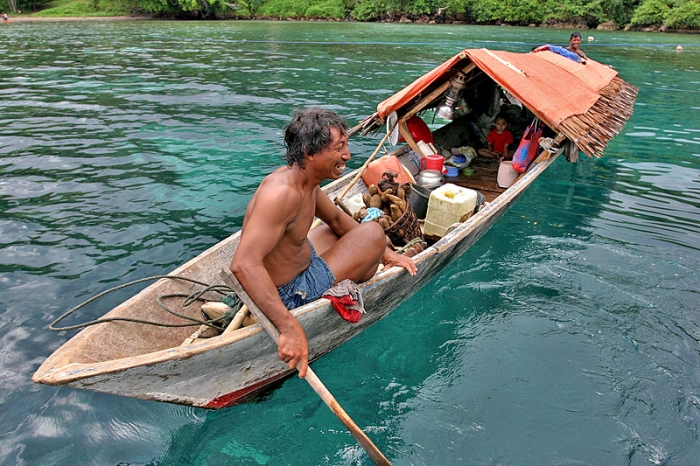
<point>574,43</point>
<point>280,262</point>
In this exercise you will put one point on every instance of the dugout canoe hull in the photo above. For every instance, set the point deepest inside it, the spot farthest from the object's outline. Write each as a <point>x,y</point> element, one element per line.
<point>151,363</point>
<point>221,371</point>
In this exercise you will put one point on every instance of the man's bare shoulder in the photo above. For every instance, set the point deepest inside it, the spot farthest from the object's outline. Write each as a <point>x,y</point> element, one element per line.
<point>279,194</point>
<point>279,183</point>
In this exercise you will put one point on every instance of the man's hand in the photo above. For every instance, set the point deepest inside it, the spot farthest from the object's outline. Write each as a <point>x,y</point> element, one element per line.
<point>393,259</point>
<point>293,348</point>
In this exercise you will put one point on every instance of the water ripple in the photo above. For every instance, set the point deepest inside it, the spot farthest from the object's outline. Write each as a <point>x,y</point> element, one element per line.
<point>129,147</point>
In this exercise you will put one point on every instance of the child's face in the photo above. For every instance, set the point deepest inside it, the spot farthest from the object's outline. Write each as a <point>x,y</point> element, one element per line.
<point>501,125</point>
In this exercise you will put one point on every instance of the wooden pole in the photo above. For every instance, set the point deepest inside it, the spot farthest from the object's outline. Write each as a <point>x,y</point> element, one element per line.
<point>311,377</point>
<point>364,165</point>
<point>360,171</point>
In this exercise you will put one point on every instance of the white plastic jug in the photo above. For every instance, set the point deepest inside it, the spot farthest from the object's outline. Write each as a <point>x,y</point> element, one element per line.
<point>447,205</point>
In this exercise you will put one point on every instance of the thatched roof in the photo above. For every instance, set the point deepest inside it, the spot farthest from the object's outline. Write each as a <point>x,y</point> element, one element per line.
<point>588,103</point>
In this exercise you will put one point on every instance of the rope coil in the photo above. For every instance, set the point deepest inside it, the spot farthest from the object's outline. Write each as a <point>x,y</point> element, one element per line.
<point>229,298</point>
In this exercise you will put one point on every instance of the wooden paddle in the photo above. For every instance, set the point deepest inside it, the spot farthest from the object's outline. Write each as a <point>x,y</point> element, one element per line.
<point>311,377</point>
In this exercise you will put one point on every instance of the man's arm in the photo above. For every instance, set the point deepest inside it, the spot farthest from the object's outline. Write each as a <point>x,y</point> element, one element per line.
<point>340,223</point>
<point>334,217</point>
<point>264,226</point>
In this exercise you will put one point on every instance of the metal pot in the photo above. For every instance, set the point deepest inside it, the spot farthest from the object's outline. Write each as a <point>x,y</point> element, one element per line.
<point>429,179</point>
<point>419,200</point>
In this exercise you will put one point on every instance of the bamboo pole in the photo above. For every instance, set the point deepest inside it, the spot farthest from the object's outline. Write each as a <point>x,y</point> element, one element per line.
<point>409,138</point>
<point>364,165</point>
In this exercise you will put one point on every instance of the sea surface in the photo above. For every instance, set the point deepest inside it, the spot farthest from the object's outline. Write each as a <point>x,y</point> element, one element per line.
<point>569,334</point>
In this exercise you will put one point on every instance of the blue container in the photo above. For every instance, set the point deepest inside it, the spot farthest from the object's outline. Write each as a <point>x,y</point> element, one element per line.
<point>452,171</point>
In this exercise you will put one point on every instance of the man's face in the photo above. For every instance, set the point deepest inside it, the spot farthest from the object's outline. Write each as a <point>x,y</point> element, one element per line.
<point>575,42</point>
<point>335,156</point>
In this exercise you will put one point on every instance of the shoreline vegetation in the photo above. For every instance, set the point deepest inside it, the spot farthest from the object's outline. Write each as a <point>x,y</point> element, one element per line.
<point>678,16</point>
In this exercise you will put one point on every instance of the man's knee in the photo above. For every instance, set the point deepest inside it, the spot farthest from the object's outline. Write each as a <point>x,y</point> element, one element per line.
<point>373,234</point>
<point>373,228</point>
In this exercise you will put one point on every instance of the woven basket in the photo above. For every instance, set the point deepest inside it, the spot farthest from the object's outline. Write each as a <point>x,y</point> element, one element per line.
<point>405,228</point>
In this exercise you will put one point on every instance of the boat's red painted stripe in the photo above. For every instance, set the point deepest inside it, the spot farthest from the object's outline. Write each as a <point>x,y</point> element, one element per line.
<point>232,398</point>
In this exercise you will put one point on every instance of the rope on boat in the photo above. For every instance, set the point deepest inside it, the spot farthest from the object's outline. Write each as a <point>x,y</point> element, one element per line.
<point>402,249</point>
<point>229,298</point>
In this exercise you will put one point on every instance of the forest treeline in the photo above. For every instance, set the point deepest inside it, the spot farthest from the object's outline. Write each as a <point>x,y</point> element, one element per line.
<point>613,14</point>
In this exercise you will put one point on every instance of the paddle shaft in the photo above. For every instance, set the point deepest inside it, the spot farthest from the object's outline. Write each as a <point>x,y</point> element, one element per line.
<point>311,377</point>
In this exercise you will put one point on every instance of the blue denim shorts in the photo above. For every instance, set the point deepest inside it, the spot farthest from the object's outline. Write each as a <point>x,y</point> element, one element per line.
<point>309,285</point>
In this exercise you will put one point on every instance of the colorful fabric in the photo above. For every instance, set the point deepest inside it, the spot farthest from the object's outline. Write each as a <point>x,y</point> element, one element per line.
<point>564,52</point>
<point>527,150</point>
<point>372,213</point>
<point>346,300</point>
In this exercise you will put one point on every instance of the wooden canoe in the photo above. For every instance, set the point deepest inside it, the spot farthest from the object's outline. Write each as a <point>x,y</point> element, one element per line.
<point>147,362</point>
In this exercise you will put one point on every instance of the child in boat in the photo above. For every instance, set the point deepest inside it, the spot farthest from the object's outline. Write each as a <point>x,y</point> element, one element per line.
<point>500,140</point>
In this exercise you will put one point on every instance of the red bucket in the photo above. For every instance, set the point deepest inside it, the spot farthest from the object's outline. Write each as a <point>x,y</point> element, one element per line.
<point>432,162</point>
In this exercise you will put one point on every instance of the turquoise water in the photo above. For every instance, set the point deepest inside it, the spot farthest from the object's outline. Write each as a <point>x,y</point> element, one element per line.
<point>569,334</point>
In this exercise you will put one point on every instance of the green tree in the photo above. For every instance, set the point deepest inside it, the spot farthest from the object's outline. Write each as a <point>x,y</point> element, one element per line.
<point>419,7</point>
<point>285,8</point>
<point>369,10</point>
<point>457,7</point>
<point>486,11</point>
<point>191,8</point>
<point>244,8</point>
<point>27,5</point>
<point>590,13</point>
<point>651,13</point>
<point>326,9</point>
<point>524,11</point>
<point>686,15</point>
<point>619,11</point>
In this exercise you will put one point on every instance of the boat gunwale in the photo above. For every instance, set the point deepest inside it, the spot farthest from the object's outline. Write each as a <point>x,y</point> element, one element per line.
<point>73,372</point>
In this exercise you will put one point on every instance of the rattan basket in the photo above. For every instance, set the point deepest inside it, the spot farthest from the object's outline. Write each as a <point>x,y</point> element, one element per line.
<point>405,228</point>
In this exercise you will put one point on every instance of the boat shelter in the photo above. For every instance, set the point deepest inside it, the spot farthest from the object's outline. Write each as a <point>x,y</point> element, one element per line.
<point>583,101</point>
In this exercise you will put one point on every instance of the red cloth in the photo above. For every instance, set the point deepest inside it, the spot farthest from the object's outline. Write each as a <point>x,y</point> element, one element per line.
<point>347,300</point>
<point>499,141</point>
<point>341,305</point>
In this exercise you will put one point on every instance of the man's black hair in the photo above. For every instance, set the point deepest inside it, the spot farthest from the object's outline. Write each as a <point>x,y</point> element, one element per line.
<point>309,133</point>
